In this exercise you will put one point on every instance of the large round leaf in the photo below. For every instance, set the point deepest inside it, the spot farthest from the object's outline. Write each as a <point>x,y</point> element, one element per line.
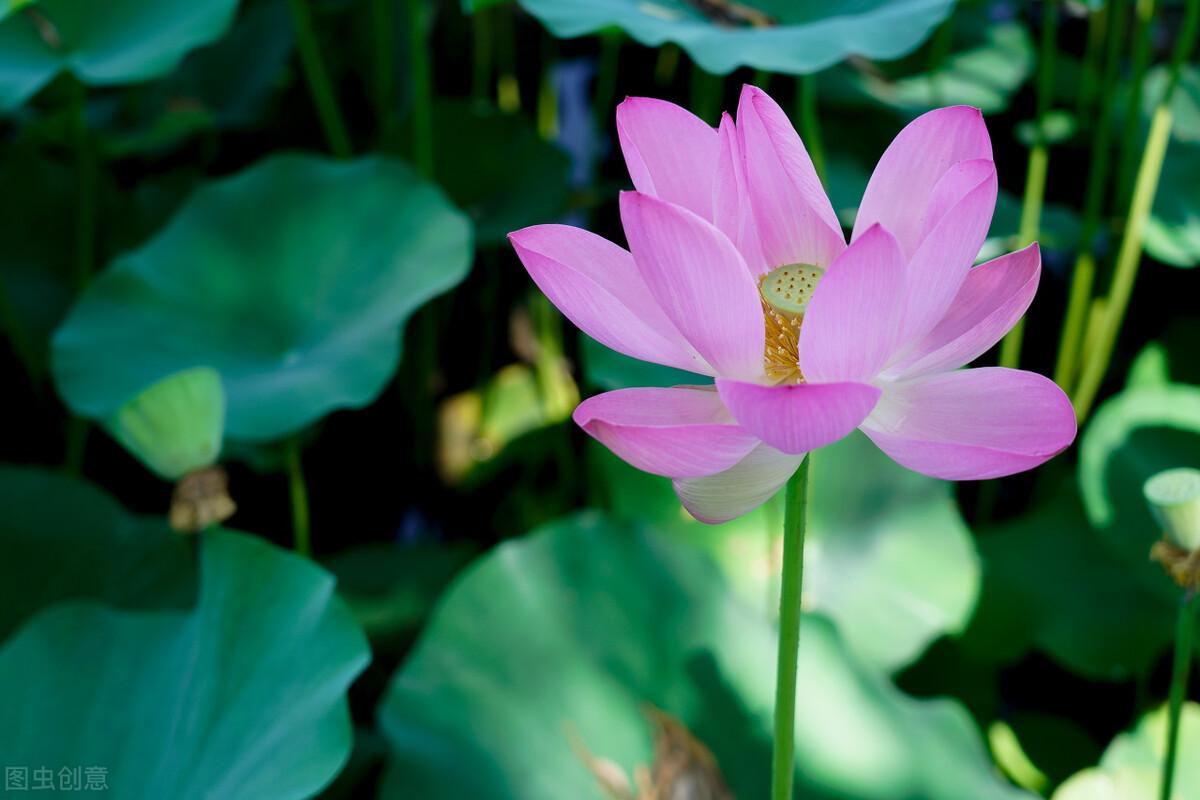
<point>65,539</point>
<point>497,169</point>
<point>562,639</point>
<point>1131,768</point>
<point>1139,432</point>
<point>1050,583</point>
<point>102,43</point>
<point>244,697</point>
<point>292,279</point>
<point>1173,229</point>
<point>776,35</point>
<point>888,556</point>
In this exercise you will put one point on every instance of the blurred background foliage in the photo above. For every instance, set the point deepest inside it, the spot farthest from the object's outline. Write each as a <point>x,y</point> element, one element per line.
<point>254,282</point>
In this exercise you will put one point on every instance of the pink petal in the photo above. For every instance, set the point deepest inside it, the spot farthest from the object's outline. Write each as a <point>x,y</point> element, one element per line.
<point>852,325</point>
<point>699,280</point>
<point>796,418</point>
<point>991,300</point>
<point>670,152</point>
<point>596,285</point>
<point>743,487</point>
<point>902,186</point>
<point>796,223</point>
<point>973,424</point>
<point>731,199</point>
<point>680,433</point>
<point>937,270</point>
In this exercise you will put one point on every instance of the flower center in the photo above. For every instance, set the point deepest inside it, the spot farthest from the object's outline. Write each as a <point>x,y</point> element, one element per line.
<point>785,293</point>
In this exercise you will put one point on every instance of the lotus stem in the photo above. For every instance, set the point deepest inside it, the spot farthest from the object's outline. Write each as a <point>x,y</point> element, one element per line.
<point>1039,164</point>
<point>1083,276</point>
<point>810,126</point>
<point>383,86</point>
<point>1143,16</point>
<point>422,87</point>
<point>1184,629</point>
<point>319,85</point>
<point>301,532</point>
<point>794,524</point>
<point>1130,255</point>
<point>482,55</point>
<point>606,76</point>
<point>706,93</point>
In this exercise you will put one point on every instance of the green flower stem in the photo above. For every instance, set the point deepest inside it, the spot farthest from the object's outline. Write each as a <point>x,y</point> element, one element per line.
<point>1130,255</point>
<point>546,111</point>
<point>606,77</point>
<point>1039,164</point>
<point>1184,630</point>
<point>794,524</point>
<point>508,88</point>
<point>667,64</point>
<point>706,91</point>
<point>1089,80</point>
<point>939,49</point>
<point>1143,16</point>
<point>1083,277</point>
<point>482,55</point>
<point>86,172</point>
<point>319,85</point>
<point>383,86</point>
<point>422,86</point>
<point>810,126</point>
<point>301,532</point>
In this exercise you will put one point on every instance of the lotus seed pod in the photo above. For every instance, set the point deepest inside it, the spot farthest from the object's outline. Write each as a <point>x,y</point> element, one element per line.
<point>175,426</point>
<point>1174,498</point>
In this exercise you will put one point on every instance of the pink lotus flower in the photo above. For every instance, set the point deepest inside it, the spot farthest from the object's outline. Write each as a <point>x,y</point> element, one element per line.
<point>737,268</point>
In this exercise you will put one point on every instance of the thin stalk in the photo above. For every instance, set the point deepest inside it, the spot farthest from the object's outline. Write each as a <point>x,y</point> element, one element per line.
<point>508,88</point>
<point>319,85</point>
<point>1143,16</point>
<point>301,532</point>
<point>86,187</point>
<point>1097,28</point>
<point>606,76</point>
<point>667,64</point>
<point>706,93</point>
<point>1039,164</point>
<point>794,523</point>
<point>939,49</point>
<point>1130,255</point>
<point>546,111</point>
<point>1179,682</point>
<point>1084,275</point>
<point>384,63</point>
<point>483,55</point>
<point>810,124</point>
<point>422,86</point>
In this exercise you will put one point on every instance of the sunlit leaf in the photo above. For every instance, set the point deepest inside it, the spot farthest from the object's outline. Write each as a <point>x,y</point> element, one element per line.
<point>103,44</point>
<point>1131,768</point>
<point>243,697</point>
<point>292,279</point>
<point>1051,584</point>
<point>776,35</point>
<point>562,639</point>
<point>1137,433</point>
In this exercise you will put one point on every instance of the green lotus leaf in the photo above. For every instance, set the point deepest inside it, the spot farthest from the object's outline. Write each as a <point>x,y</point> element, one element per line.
<point>1173,229</point>
<point>990,63</point>
<point>242,697</point>
<point>1131,768</point>
<point>1134,435</point>
<point>65,539</point>
<point>1050,583</point>
<point>775,35</point>
<point>557,643</point>
<point>102,44</point>
<point>518,179</point>
<point>888,557</point>
<point>292,279</point>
